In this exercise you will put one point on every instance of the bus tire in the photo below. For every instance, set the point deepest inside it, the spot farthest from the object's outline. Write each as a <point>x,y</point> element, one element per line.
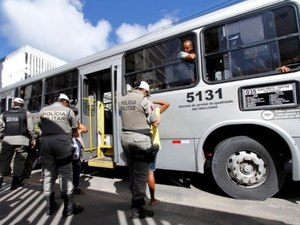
<point>244,169</point>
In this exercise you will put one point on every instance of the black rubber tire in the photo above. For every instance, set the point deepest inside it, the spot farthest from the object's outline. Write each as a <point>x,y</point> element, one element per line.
<point>255,155</point>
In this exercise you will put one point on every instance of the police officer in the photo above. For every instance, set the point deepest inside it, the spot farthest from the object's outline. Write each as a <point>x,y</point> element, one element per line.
<point>57,124</point>
<point>137,113</point>
<point>16,128</point>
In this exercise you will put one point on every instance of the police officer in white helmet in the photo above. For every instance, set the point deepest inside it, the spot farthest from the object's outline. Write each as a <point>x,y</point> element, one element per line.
<point>137,113</point>
<point>58,124</point>
<point>17,134</point>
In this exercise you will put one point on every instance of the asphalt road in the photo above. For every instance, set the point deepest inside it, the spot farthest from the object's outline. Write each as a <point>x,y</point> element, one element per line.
<point>182,202</point>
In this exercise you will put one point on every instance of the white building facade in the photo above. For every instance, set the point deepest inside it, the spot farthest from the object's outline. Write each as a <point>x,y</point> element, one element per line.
<point>24,63</point>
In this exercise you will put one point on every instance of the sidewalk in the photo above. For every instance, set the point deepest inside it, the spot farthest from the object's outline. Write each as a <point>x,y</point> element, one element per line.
<point>107,202</point>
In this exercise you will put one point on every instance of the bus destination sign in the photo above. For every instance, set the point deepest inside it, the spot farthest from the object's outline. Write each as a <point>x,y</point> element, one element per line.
<point>269,96</point>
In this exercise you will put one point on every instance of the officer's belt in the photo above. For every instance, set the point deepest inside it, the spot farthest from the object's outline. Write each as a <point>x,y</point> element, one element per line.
<point>52,134</point>
<point>140,131</point>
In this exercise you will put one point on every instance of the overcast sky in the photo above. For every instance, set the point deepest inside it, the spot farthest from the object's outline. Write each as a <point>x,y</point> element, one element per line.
<point>72,29</point>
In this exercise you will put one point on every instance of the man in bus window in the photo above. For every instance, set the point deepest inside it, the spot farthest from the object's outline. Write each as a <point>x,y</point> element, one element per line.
<point>256,65</point>
<point>185,71</point>
<point>16,128</point>
<point>187,52</point>
<point>137,114</point>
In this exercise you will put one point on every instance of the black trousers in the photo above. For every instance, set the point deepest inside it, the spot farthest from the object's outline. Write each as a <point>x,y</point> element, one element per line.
<point>76,172</point>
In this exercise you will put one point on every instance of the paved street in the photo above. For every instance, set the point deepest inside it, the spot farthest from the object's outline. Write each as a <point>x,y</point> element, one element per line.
<point>107,198</point>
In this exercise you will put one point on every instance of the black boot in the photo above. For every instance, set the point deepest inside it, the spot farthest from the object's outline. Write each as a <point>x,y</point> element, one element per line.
<point>16,183</point>
<point>1,182</point>
<point>51,206</point>
<point>70,207</point>
<point>138,210</point>
<point>141,212</point>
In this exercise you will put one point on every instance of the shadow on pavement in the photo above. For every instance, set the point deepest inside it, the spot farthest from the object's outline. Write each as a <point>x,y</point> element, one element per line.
<point>26,206</point>
<point>204,182</point>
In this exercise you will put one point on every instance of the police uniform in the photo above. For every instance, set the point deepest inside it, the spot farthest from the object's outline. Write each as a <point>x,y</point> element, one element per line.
<point>57,122</point>
<point>137,113</point>
<point>16,128</point>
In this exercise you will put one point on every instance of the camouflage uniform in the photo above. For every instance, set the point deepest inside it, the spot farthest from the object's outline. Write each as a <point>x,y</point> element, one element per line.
<point>137,115</point>
<point>58,122</point>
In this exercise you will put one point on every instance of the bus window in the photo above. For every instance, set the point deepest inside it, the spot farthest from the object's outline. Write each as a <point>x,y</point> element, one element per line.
<point>234,50</point>
<point>32,95</point>
<point>160,65</point>
<point>65,83</point>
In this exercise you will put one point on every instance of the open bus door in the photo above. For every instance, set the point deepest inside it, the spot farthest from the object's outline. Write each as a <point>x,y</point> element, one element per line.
<point>98,109</point>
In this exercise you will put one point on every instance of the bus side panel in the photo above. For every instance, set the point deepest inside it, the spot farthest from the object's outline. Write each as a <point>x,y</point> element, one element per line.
<point>179,152</point>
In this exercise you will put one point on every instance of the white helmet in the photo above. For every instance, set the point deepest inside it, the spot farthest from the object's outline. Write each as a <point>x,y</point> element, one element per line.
<point>19,100</point>
<point>64,97</point>
<point>144,85</point>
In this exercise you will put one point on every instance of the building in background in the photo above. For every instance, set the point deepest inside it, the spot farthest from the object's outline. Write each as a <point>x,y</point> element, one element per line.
<point>24,63</point>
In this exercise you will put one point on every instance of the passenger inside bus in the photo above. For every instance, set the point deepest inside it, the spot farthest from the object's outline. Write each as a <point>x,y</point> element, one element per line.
<point>187,52</point>
<point>185,70</point>
<point>258,65</point>
<point>284,69</point>
<point>254,64</point>
<point>293,63</point>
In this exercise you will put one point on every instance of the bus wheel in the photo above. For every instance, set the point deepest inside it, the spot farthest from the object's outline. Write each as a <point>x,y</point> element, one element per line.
<point>244,169</point>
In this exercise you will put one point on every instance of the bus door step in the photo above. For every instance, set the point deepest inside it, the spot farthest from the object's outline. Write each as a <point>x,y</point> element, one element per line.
<point>107,151</point>
<point>105,162</point>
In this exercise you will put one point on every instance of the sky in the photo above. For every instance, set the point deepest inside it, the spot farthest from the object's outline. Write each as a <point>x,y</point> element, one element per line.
<point>73,29</point>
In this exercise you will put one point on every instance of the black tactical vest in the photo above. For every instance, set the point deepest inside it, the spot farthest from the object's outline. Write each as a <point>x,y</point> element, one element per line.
<point>15,122</point>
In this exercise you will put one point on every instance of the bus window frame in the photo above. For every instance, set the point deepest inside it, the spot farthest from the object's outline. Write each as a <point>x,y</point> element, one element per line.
<point>29,99</point>
<point>69,91</point>
<point>270,41</point>
<point>190,34</point>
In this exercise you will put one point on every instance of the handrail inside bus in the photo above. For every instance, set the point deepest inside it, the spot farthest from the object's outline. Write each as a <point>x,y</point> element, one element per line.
<point>90,104</point>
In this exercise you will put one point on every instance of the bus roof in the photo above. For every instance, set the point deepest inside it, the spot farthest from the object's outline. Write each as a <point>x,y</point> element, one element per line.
<point>213,17</point>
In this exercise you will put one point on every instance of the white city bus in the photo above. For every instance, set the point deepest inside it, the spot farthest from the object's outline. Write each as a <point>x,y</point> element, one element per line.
<point>232,108</point>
